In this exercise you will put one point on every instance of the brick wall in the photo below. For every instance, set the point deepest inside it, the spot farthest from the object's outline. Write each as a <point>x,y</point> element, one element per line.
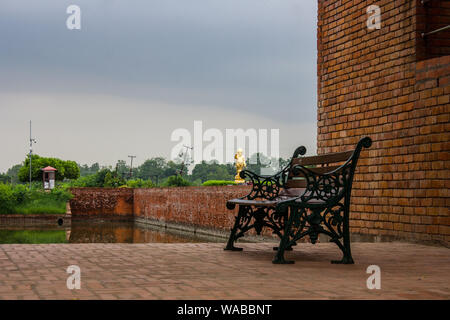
<point>371,83</point>
<point>196,206</point>
<point>199,207</point>
<point>101,202</point>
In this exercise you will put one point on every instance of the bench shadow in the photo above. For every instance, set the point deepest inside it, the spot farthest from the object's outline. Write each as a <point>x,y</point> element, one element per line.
<point>298,255</point>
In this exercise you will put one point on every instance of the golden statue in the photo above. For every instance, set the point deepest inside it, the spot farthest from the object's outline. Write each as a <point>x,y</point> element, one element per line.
<point>240,165</point>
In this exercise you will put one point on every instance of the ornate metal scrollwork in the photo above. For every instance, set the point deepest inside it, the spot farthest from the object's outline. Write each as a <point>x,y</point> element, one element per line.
<point>306,222</point>
<point>333,220</point>
<point>265,187</point>
<point>261,217</point>
<point>323,207</point>
<point>328,187</point>
<point>256,218</point>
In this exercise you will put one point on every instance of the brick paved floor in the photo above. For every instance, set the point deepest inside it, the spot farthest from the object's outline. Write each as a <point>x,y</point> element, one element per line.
<point>205,271</point>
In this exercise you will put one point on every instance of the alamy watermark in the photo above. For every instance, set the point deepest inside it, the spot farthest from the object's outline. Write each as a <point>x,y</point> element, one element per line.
<point>74,280</point>
<point>74,19</point>
<point>374,19</point>
<point>374,280</point>
<point>213,144</point>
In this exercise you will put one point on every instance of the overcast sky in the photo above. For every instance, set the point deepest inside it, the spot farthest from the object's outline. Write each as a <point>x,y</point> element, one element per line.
<point>139,69</point>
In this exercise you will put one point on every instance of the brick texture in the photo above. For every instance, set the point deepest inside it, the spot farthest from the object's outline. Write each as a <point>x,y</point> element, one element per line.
<point>199,206</point>
<point>374,83</point>
<point>192,206</point>
<point>204,271</point>
<point>102,202</point>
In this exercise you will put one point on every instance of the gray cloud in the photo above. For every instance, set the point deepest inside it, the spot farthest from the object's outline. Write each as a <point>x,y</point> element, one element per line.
<point>241,57</point>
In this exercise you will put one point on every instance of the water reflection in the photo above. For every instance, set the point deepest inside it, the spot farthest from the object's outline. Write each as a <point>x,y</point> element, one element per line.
<point>99,232</point>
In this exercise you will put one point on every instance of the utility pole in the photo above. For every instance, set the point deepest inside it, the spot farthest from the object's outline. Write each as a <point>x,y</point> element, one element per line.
<point>31,150</point>
<point>131,167</point>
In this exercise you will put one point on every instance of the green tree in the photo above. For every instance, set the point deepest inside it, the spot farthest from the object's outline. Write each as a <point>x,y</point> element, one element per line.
<point>213,171</point>
<point>177,181</point>
<point>257,161</point>
<point>71,170</point>
<point>122,169</point>
<point>86,170</point>
<point>66,169</point>
<point>6,199</point>
<point>13,172</point>
<point>173,168</point>
<point>4,178</point>
<point>157,169</point>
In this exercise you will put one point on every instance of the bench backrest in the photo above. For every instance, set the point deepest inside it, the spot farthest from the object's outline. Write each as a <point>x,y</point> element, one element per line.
<point>320,164</point>
<point>327,177</point>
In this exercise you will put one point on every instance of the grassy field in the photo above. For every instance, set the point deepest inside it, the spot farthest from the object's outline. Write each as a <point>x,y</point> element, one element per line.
<point>44,206</point>
<point>19,199</point>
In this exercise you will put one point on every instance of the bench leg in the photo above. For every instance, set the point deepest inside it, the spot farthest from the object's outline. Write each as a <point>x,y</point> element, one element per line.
<point>230,244</point>
<point>279,257</point>
<point>347,258</point>
<point>287,249</point>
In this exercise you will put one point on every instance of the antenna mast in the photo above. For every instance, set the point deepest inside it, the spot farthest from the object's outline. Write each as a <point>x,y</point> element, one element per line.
<point>31,150</point>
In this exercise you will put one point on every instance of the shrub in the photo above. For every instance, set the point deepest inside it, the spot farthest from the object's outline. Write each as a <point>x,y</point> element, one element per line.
<point>85,182</point>
<point>112,181</point>
<point>20,199</point>
<point>6,199</point>
<point>218,183</point>
<point>176,181</point>
<point>139,183</point>
<point>20,193</point>
<point>103,178</point>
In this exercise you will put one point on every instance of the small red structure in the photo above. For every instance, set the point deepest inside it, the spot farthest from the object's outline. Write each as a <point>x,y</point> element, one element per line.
<point>49,177</point>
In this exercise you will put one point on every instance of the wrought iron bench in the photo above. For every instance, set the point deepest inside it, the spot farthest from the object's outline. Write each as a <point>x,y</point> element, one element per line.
<point>258,208</point>
<point>310,196</point>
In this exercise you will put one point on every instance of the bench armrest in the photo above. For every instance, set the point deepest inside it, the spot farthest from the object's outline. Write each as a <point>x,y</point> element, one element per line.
<point>325,187</point>
<point>268,187</point>
<point>332,186</point>
<point>264,187</point>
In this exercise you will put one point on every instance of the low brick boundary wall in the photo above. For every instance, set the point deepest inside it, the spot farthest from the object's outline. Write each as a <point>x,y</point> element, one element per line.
<point>193,206</point>
<point>96,202</point>
<point>22,220</point>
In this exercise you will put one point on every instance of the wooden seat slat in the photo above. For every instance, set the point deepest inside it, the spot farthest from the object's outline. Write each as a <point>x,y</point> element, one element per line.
<point>321,170</point>
<point>323,158</point>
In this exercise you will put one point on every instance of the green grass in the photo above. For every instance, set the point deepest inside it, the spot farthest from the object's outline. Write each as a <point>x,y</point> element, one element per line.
<point>41,206</point>
<point>32,236</point>
<point>19,199</point>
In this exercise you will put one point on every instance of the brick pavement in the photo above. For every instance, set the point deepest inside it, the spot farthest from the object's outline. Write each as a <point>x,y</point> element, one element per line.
<point>205,271</point>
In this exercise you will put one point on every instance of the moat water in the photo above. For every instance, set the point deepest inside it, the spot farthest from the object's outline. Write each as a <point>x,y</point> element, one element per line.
<point>98,232</point>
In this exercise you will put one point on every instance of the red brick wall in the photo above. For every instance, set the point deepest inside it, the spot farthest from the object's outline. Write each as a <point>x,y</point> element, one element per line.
<point>101,202</point>
<point>195,206</point>
<point>199,206</point>
<point>370,83</point>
